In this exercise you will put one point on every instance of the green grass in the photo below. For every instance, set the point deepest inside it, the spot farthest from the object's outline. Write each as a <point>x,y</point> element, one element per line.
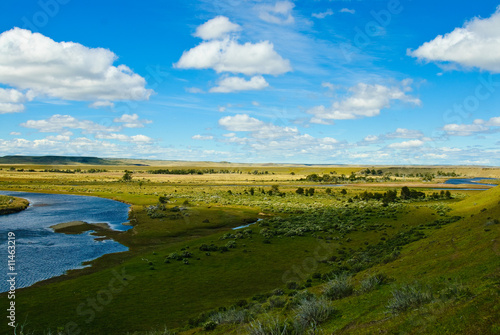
<point>302,244</point>
<point>10,205</point>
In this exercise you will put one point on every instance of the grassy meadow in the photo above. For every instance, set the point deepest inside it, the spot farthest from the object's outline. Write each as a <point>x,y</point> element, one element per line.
<point>329,250</point>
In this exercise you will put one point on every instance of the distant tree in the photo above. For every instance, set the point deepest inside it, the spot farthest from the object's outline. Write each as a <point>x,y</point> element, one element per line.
<point>389,196</point>
<point>343,192</point>
<point>448,194</point>
<point>127,176</point>
<point>252,191</point>
<point>300,191</point>
<point>328,191</point>
<point>313,177</point>
<point>310,191</point>
<point>405,193</point>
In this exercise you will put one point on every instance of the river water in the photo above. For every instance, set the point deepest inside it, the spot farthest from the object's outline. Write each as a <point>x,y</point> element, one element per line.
<point>40,252</point>
<point>471,181</point>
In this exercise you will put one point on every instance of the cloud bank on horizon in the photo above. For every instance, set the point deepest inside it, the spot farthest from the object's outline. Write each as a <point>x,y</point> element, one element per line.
<point>255,81</point>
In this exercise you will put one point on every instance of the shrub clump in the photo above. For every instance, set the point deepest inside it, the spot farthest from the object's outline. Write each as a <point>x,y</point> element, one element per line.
<point>455,290</point>
<point>409,296</point>
<point>312,311</point>
<point>230,316</point>
<point>339,287</point>
<point>373,282</point>
<point>269,326</point>
<point>209,325</point>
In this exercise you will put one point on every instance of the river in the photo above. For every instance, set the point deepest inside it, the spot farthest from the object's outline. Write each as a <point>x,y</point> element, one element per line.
<point>40,252</point>
<point>470,181</point>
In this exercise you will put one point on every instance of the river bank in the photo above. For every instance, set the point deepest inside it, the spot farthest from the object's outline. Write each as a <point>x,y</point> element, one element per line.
<point>43,252</point>
<point>10,205</point>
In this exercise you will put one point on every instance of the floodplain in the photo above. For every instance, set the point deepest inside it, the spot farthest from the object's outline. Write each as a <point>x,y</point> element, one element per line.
<point>324,250</point>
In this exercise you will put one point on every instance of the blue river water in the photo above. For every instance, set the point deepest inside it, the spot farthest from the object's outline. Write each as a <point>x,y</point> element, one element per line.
<point>40,252</point>
<point>471,181</point>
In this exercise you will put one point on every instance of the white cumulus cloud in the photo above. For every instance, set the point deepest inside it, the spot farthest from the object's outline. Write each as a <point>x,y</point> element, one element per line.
<point>407,144</point>
<point>476,44</point>
<point>347,10</point>
<point>477,127</point>
<point>405,133</point>
<point>139,139</point>
<point>131,121</point>
<point>280,13</point>
<point>364,101</point>
<point>322,15</point>
<point>241,122</point>
<point>100,104</point>
<point>230,56</point>
<point>464,129</point>
<point>58,123</point>
<point>371,138</point>
<point>12,101</point>
<point>494,121</point>
<point>216,28</point>
<point>202,137</point>
<point>234,84</point>
<point>65,70</point>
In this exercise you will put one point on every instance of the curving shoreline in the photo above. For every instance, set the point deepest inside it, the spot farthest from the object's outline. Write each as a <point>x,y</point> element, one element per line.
<point>10,205</point>
<point>77,227</point>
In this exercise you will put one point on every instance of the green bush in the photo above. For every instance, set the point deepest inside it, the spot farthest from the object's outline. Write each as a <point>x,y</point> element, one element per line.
<point>175,256</point>
<point>209,325</point>
<point>339,287</point>
<point>409,296</point>
<point>373,282</point>
<point>231,316</point>
<point>313,311</point>
<point>277,302</point>
<point>455,290</point>
<point>269,326</point>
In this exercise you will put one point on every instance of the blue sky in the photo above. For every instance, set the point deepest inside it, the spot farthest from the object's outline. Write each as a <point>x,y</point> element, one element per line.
<point>329,82</point>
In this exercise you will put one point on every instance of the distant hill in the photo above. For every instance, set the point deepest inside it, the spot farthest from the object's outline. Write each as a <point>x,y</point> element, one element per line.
<point>57,160</point>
